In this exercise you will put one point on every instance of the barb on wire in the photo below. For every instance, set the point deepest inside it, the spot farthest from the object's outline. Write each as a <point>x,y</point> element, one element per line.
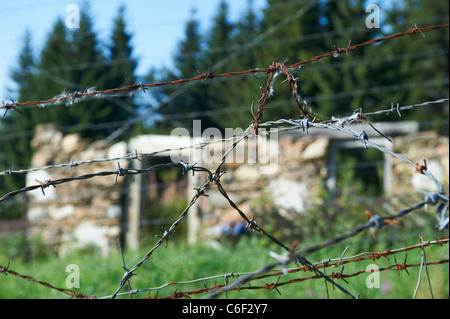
<point>10,106</point>
<point>415,30</point>
<point>135,86</point>
<point>338,51</point>
<point>399,108</point>
<point>45,184</point>
<point>167,234</point>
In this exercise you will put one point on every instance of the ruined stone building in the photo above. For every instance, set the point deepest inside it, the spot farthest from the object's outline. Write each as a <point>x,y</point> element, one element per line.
<point>294,171</point>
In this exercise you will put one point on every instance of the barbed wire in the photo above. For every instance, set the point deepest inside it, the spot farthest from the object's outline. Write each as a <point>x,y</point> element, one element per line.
<point>257,275</point>
<point>130,156</point>
<point>69,98</point>
<point>213,176</point>
<point>120,172</point>
<point>138,155</point>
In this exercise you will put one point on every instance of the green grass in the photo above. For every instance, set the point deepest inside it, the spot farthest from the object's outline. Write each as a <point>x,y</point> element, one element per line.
<point>99,276</point>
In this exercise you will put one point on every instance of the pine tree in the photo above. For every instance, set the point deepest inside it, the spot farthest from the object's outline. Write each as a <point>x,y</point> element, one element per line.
<point>190,98</point>
<point>54,75</point>
<point>235,95</point>
<point>219,43</point>
<point>121,62</point>
<point>93,72</point>
<point>71,60</point>
<point>121,70</point>
<point>344,83</point>
<point>16,128</point>
<point>419,65</point>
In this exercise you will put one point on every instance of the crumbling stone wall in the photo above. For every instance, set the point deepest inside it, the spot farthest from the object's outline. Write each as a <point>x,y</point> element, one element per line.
<point>78,214</point>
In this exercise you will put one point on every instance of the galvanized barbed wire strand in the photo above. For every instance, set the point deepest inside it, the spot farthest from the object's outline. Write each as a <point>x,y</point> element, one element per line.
<point>117,173</point>
<point>306,124</point>
<point>423,263</point>
<point>137,155</point>
<point>364,139</point>
<point>375,223</point>
<point>399,108</point>
<point>212,178</point>
<point>77,96</point>
<point>128,274</point>
<point>430,198</point>
<point>130,156</point>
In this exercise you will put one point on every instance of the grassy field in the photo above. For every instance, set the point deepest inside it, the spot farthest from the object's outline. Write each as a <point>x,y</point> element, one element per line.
<point>99,276</point>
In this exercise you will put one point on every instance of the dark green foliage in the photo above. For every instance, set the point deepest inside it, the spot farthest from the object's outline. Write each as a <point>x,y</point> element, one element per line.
<point>419,64</point>
<point>406,70</point>
<point>71,60</point>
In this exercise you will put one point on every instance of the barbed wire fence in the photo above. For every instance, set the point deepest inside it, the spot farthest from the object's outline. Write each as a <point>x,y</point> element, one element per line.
<point>269,271</point>
<point>307,121</point>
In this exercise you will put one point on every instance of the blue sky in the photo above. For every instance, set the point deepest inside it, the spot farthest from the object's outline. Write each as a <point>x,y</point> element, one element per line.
<point>157,26</point>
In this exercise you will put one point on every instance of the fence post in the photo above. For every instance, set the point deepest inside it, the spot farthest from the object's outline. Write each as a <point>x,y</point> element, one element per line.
<point>134,206</point>
<point>193,216</point>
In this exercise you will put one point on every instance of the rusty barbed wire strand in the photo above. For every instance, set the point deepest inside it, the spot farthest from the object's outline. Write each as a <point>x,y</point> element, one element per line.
<point>329,263</point>
<point>6,271</point>
<point>70,98</point>
<point>357,46</point>
<point>259,274</point>
<point>375,222</point>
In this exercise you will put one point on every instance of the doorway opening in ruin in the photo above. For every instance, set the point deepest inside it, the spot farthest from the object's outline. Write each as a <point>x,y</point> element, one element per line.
<point>356,171</point>
<point>165,196</point>
<point>359,172</point>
